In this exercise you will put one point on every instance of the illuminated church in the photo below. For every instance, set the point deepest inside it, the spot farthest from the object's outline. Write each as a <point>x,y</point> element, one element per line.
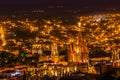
<point>115,58</point>
<point>54,53</point>
<point>78,51</point>
<point>37,49</point>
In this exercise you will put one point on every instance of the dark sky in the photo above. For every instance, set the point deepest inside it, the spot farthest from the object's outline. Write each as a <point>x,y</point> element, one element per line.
<point>72,2</point>
<point>17,4</point>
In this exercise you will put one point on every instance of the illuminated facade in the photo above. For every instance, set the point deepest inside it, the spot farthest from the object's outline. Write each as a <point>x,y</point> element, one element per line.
<point>2,36</point>
<point>54,52</point>
<point>115,55</point>
<point>78,51</point>
<point>116,58</point>
<point>37,48</point>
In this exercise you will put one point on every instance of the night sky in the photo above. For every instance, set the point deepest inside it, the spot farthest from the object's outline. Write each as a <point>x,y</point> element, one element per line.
<point>112,3</point>
<point>69,4</point>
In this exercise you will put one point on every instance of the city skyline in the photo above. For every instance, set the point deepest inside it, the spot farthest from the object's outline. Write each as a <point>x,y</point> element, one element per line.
<point>59,40</point>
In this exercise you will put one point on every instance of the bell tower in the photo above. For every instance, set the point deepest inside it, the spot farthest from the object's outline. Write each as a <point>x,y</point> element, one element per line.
<point>54,53</point>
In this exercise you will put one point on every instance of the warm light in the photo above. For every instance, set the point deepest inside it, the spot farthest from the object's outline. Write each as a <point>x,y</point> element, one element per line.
<point>79,24</point>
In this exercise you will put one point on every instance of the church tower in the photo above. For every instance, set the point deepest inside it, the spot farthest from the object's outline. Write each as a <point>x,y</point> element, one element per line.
<point>54,53</point>
<point>116,58</point>
<point>2,36</point>
<point>78,51</point>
